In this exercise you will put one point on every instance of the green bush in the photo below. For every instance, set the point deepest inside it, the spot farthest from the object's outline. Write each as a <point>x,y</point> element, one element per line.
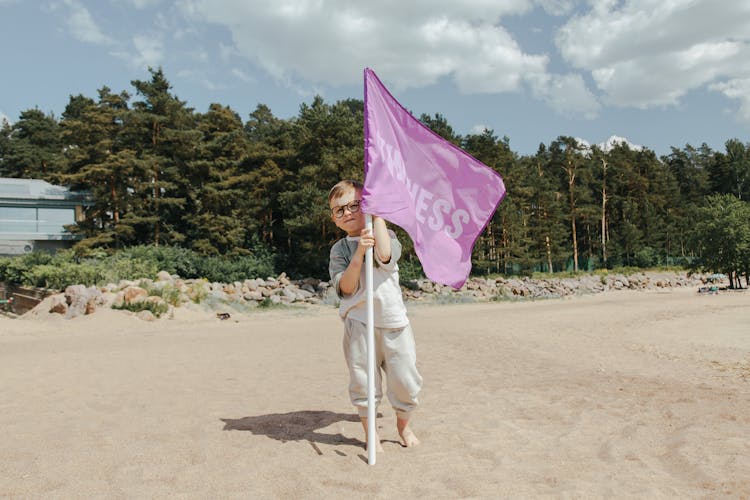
<point>5,263</point>
<point>220,269</point>
<point>646,257</point>
<point>539,275</point>
<point>174,260</point>
<point>66,268</point>
<point>626,270</point>
<point>189,264</point>
<point>409,270</point>
<point>117,267</point>
<point>197,292</point>
<point>13,269</point>
<point>59,276</point>
<point>157,309</point>
<point>169,293</point>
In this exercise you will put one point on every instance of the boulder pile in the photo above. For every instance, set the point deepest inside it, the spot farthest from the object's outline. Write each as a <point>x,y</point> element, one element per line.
<point>528,288</point>
<point>150,299</point>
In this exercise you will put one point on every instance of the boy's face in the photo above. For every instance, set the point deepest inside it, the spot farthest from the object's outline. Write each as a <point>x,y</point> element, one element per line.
<point>351,222</point>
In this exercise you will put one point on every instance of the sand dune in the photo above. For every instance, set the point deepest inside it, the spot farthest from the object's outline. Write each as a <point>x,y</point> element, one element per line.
<point>623,394</point>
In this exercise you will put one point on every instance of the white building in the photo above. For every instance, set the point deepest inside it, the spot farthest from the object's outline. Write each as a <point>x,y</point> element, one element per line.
<point>34,213</point>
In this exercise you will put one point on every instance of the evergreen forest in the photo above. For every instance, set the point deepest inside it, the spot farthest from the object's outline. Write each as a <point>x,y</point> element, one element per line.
<point>163,174</point>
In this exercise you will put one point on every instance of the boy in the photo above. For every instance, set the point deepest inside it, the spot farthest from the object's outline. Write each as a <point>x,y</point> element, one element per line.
<point>394,342</point>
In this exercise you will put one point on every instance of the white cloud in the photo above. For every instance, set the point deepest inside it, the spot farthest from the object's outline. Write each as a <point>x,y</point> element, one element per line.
<point>410,44</point>
<point>201,79</point>
<point>3,117</point>
<point>142,4</point>
<point>82,24</point>
<point>608,145</point>
<point>479,129</point>
<point>739,89</point>
<point>557,7</point>
<point>616,140</point>
<point>149,51</point>
<point>227,52</point>
<point>168,23</point>
<point>646,53</point>
<point>146,51</point>
<point>567,94</point>
<point>243,75</point>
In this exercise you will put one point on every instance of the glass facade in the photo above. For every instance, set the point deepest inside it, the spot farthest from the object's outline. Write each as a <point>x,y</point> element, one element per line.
<point>32,220</point>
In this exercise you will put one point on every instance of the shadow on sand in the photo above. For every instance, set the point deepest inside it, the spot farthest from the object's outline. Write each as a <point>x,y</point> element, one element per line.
<point>296,426</point>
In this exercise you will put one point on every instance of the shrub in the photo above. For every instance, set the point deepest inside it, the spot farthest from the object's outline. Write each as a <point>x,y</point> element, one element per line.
<point>66,268</point>
<point>14,268</point>
<point>174,260</point>
<point>168,292</point>
<point>59,276</point>
<point>646,257</point>
<point>118,267</point>
<point>197,292</point>
<point>157,309</point>
<point>409,270</point>
<point>224,270</point>
<point>626,270</point>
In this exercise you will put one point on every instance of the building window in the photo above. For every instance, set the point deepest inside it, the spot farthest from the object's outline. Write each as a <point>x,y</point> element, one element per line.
<point>52,220</point>
<point>17,220</point>
<point>25,220</point>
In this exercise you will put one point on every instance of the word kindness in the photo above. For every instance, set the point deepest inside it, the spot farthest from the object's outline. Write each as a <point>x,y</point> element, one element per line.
<point>439,213</point>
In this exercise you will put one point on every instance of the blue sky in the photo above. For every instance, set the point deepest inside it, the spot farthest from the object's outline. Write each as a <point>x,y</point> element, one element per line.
<point>660,73</point>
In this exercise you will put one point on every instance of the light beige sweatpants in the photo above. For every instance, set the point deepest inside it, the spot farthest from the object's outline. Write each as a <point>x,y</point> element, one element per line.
<point>395,353</point>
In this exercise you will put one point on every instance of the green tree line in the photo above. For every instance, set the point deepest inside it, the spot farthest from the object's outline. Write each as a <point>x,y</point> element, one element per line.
<point>162,174</point>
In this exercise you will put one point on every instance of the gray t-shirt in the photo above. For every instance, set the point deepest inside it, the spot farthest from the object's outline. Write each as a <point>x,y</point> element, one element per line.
<point>389,308</point>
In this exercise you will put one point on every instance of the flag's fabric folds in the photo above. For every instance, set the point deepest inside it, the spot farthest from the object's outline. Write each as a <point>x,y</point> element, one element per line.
<point>442,196</point>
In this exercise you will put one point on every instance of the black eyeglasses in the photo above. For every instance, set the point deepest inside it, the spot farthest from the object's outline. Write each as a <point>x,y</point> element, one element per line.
<point>353,207</point>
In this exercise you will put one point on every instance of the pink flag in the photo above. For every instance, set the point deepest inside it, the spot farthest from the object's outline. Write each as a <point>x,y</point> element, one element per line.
<point>442,196</point>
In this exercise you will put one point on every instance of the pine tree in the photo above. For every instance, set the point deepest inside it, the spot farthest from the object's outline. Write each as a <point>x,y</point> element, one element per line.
<point>99,161</point>
<point>214,215</point>
<point>32,147</point>
<point>566,154</point>
<point>164,131</point>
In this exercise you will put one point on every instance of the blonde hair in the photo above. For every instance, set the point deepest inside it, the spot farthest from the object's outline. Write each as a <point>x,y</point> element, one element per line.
<point>341,187</point>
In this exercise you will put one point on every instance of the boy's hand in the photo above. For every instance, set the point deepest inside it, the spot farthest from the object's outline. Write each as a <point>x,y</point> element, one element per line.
<point>366,240</point>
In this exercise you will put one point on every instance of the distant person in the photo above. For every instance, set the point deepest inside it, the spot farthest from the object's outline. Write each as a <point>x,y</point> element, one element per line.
<point>395,351</point>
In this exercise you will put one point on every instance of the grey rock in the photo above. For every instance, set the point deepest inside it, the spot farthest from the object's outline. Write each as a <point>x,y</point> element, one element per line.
<point>254,295</point>
<point>81,300</point>
<point>58,305</point>
<point>163,276</point>
<point>145,315</point>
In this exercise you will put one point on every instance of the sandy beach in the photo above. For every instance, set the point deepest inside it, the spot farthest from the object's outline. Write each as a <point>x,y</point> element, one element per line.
<point>622,394</point>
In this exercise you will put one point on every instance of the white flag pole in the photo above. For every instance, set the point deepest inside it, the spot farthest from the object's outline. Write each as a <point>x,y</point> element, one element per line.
<point>371,413</point>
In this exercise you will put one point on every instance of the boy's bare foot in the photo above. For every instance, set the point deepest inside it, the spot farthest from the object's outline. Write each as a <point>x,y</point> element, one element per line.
<point>408,438</point>
<point>378,445</point>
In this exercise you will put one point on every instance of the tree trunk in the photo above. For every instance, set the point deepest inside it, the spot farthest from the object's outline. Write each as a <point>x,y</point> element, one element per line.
<point>549,255</point>
<point>490,243</point>
<point>154,142</point>
<point>156,206</point>
<point>573,229</point>
<point>571,171</point>
<point>505,249</point>
<point>604,212</point>
<point>115,211</point>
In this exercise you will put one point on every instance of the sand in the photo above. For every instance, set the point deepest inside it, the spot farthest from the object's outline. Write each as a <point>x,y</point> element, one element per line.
<point>622,394</point>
